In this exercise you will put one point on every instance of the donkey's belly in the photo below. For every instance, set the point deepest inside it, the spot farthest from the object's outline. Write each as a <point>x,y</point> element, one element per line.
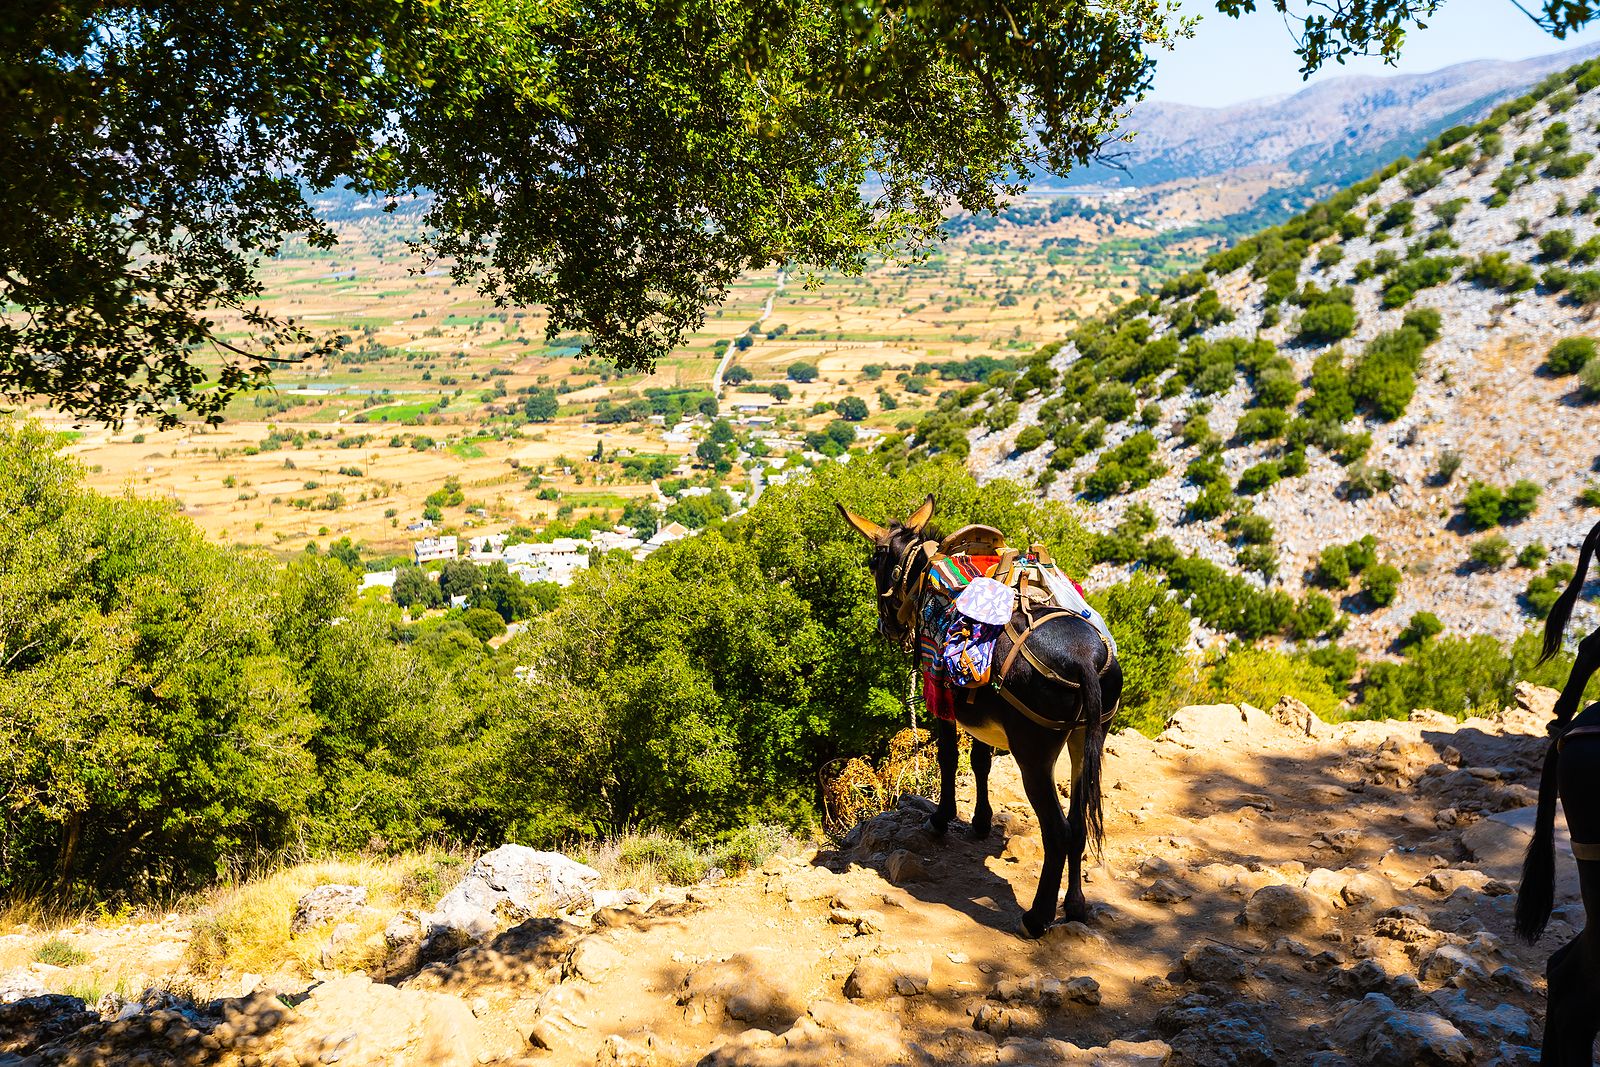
<point>986,730</point>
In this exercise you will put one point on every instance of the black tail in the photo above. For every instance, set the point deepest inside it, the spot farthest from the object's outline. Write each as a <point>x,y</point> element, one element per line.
<point>1094,744</point>
<point>1537,894</point>
<point>1561,613</point>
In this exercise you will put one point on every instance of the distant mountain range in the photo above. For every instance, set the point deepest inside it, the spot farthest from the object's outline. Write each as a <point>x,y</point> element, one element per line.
<point>1332,132</point>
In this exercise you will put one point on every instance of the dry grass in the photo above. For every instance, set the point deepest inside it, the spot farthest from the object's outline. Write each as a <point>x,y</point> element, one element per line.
<point>642,861</point>
<point>245,926</point>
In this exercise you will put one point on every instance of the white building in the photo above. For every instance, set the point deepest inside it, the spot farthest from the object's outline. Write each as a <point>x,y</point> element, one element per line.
<point>490,548</point>
<point>672,531</point>
<point>607,541</point>
<point>432,548</point>
<point>377,580</point>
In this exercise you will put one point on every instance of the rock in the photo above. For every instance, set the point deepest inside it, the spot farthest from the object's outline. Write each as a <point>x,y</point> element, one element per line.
<point>332,948</point>
<point>992,1019</point>
<point>1538,701</point>
<point>510,885</point>
<point>1229,1042</point>
<point>1504,1022</point>
<point>1299,718</point>
<point>617,1051</point>
<point>1073,935</point>
<point>1368,976</point>
<point>370,1023</point>
<point>1116,1054</point>
<point>1499,842</point>
<point>903,866</point>
<point>1283,907</point>
<point>752,987</point>
<point>592,959</point>
<point>1165,891</point>
<point>1209,962</point>
<point>29,1022</point>
<point>902,974</point>
<point>325,904</point>
<point>1402,928</point>
<point>1364,888</point>
<point>1447,880</point>
<point>19,985</point>
<point>1083,990</point>
<point>1452,964</point>
<point>526,956</point>
<point>1376,1032</point>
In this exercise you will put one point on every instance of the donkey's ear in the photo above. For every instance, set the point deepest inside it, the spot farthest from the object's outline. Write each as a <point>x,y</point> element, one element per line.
<point>920,517</point>
<point>865,527</point>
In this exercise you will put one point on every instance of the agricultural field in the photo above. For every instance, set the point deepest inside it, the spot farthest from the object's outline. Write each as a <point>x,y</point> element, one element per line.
<point>434,381</point>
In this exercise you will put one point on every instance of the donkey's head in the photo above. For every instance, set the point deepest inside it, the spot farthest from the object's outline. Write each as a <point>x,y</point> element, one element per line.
<point>892,557</point>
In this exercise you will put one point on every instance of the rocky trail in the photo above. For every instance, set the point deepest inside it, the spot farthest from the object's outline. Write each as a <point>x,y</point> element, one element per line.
<point>1274,890</point>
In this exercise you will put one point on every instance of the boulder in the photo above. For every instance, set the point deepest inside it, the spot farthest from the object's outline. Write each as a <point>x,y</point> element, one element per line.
<point>1373,1031</point>
<point>1499,842</point>
<point>1503,1022</point>
<point>1165,891</point>
<point>1452,964</point>
<point>1201,725</point>
<point>1226,1042</point>
<point>19,985</point>
<point>326,904</point>
<point>1209,962</point>
<point>1283,907</point>
<point>1082,990</point>
<point>510,885</point>
<point>28,1022</point>
<point>592,959</point>
<point>355,1020</point>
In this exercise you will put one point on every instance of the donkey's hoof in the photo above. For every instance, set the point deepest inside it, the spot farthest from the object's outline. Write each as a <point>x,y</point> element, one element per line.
<point>1075,912</point>
<point>1032,928</point>
<point>937,824</point>
<point>979,829</point>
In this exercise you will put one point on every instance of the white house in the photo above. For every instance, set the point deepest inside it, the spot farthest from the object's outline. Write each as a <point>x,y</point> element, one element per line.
<point>490,548</point>
<point>672,531</point>
<point>377,580</point>
<point>432,548</point>
<point>606,541</point>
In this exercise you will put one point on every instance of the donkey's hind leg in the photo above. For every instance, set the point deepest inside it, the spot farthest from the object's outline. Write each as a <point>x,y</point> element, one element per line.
<point>982,815</point>
<point>949,756</point>
<point>1038,768</point>
<point>1571,1020</point>
<point>1075,908</point>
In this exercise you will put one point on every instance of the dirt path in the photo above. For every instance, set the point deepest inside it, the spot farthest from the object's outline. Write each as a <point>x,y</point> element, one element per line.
<point>1258,883</point>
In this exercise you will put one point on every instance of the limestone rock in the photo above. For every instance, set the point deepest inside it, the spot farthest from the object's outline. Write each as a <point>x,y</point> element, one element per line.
<point>1299,718</point>
<point>19,985</point>
<point>28,1022</point>
<point>1375,1032</point>
<point>618,1051</point>
<point>510,885</point>
<point>592,959</point>
<point>1226,1042</point>
<point>1201,725</point>
<point>325,904</point>
<point>1503,1022</point>
<point>1083,990</point>
<point>1283,907</point>
<point>367,1022</point>
<point>1165,891</point>
<point>1209,962</point>
<point>1451,963</point>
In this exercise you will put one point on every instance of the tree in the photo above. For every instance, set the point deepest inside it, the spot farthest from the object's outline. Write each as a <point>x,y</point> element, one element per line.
<point>736,374</point>
<point>185,146</point>
<point>802,372</point>
<point>345,551</point>
<point>460,577</point>
<point>414,587</point>
<point>541,405</point>
<point>780,392</point>
<point>483,623</point>
<point>852,408</point>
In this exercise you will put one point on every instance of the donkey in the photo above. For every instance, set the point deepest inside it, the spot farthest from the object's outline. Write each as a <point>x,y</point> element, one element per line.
<point>1572,769</point>
<point>1073,714</point>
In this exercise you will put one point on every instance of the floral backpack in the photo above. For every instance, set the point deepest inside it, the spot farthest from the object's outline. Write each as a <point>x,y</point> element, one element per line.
<point>973,623</point>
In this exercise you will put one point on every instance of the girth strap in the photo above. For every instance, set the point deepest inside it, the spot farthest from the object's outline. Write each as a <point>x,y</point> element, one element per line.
<point>1577,731</point>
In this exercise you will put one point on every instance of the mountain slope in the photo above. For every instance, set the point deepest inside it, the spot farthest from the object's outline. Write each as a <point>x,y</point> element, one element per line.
<point>1330,131</point>
<point>1352,372</point>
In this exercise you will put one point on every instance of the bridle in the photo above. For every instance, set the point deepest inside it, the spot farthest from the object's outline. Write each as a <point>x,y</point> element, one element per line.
<point>897,605</point>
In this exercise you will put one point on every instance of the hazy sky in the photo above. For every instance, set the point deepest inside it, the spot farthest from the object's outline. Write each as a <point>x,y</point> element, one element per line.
<point>1229,60</point>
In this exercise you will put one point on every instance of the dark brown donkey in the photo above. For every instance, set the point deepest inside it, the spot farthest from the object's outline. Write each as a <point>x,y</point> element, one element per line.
<point>1075,715</point>
<point>1572,771</point>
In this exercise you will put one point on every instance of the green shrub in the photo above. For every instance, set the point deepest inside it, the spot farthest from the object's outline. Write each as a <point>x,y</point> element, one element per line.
<point>1397,214</point>
<point>1556,244</point>
<point>1260,424</point>
<point>1532,554</point>
<point>1423,625</point>
<point>1259,477</point>
<point>1314,616</point>
<point>1447,211</point>
<point>1152,630</point>
<point>1544,590</point>
<point>1482,505</point>
<point>1261,558</point>
<point>1490,552</point>
<point>1589,380</point>
<point>1569,355</point>
<point>1326,323</point>
<point>1589,496</point>
<point>1250,528</point>
<point>1330,255</point>
<point>1333,568</point>
<point>1029,439</point>
<point>1129,466</point>
<point>1261,677</point>
<point>1520,501</point>
<point>1495,270</point>
<point>1584,288</point>
<point>1384,377</point>
<point>57,951</point>
<point>1449,463</point>
<point>1381,583</point>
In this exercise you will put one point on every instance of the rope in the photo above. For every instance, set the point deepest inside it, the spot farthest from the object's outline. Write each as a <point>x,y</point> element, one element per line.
<point>911,713</point>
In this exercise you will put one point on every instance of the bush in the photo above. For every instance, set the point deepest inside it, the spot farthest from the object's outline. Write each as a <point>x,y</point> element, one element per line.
<point>1520,501</point>
<point>1029,439</point>
<point>1313,617</point>
<point>1532,554</point>
<point>1423,625</point>
<point>1449,464</point>
<point>1589,380</point>
<point>1260,477</point>
<point>1260,424</point>
<point>1482,505</point>
<point>1556,244</point>
<point>1384,378</point>
<point>1326,323</point>
<point>802,372</point>
<point>1490,552</point>
<point>1583,288</point>
<point>1381,583</point>
<point>1398,214</point>
<point>1152,630</point>
<point>1333,568</point>
<point>1261,677</point>
<point>1250,528</point>
<point>1544,590</point>
<point>1129,466</point>
<point>1569,355</point>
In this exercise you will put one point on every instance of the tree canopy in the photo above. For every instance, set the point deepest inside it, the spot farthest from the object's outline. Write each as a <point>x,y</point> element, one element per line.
<point>619,163</point>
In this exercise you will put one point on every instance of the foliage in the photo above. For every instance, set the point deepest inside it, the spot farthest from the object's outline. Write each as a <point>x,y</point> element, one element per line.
<point>1126,467</point>
<point>1569,355</point>
<point>195,146</point>
<point>1380,583</point>
<point>1384,377</point>
<point>1152,630</point>
<point>1323,324</point>
<point>1029,439</point>
<point>1490,552</point>
<point>1261,677</point>
<point>802,372</point>
<point>1422,625</point>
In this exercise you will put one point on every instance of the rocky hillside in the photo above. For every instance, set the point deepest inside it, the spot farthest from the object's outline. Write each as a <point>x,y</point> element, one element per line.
<point>1328,130</point>
<point>1408,361</point>
<point>1274,890</point>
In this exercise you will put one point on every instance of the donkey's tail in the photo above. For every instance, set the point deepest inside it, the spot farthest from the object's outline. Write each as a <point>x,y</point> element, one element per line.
<point>1561,613</point>
<point>1537,894</point>
<point>1094,745</point>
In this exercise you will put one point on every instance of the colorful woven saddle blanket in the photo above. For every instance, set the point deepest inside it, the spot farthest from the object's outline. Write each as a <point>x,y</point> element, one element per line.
<point>951,574</point>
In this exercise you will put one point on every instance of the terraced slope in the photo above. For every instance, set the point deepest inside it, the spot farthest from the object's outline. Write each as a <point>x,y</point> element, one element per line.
<point>1416,343</point>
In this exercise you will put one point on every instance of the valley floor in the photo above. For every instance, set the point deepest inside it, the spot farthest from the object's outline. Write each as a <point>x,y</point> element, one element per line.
<point>1274,890</point>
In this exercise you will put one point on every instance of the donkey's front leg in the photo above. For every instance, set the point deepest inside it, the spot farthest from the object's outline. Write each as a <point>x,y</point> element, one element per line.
<point>982,814</point>
<point>949,755</point>
<point>1075,908</point>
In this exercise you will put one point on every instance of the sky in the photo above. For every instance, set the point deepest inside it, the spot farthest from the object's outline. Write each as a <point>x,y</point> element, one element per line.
<point>1229,60</point>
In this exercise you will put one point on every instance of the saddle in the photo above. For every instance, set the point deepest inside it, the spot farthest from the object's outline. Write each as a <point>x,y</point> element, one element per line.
<point>979,551</point>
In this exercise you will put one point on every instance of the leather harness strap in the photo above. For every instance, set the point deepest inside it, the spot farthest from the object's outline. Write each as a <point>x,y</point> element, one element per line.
<point>1587,851</point>
<point>1577,731</point>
